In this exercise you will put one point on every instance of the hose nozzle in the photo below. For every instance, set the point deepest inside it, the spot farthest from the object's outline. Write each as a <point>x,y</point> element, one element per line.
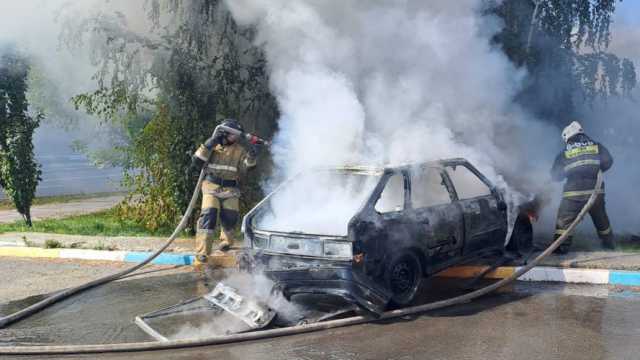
<point>251,138</point>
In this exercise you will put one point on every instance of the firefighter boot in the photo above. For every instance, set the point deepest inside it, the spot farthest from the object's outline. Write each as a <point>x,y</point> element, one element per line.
<point>200,263</point>
<point>565,246</point>
<point>608,241</point>
<point>226,240</point>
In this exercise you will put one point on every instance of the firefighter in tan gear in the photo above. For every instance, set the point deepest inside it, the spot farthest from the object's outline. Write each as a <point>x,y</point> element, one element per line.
<point>226,161</point>
<point>579,164</point>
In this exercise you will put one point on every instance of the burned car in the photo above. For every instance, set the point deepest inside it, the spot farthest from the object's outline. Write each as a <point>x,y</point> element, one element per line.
<point>370,235</point>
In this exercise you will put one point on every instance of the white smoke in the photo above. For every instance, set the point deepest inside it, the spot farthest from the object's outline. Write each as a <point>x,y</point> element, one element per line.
<point>46,32</point>
<point>41,30</point>
<point>379,82</point>
<point>615,124</point>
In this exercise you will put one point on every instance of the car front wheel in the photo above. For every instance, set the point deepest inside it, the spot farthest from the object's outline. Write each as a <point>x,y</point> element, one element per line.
<point>403,278</point>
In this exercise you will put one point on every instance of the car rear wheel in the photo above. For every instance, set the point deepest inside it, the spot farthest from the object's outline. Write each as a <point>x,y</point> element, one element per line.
<point>403,278</point>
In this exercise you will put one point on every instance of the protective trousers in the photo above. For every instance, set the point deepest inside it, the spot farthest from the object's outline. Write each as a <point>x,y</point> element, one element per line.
<point>213,206</point>
<point>569,209</point>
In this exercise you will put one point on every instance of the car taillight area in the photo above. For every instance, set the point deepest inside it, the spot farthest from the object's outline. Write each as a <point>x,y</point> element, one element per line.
<point>304,245</point>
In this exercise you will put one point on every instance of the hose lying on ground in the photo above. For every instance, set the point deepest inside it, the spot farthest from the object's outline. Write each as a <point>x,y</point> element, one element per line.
<point>301,329</point>
<point>64,294</point>
<point>26,312</point>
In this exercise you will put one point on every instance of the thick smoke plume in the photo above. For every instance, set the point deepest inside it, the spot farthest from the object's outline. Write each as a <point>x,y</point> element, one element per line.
<point>386,83</point>
<point>381,82</point>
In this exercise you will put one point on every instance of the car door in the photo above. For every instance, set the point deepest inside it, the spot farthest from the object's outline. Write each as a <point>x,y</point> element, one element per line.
<point>381,226</point>
<point>391,208</point>
<point>484,218</point>
<point>438,220</point>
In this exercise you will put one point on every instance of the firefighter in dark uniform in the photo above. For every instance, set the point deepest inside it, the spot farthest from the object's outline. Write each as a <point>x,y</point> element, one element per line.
<point>227,160</point>
<point>579,164</point>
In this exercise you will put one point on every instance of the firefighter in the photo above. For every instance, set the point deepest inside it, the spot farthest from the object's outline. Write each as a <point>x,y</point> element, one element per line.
<point>226,161</point>
<point>579,164</point>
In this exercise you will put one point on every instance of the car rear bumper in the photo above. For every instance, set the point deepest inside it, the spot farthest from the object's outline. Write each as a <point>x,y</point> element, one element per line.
<point>303,276</point>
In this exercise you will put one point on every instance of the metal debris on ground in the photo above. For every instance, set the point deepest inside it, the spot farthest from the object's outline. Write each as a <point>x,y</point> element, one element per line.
<point>223,309</point>
<point>255,314</point>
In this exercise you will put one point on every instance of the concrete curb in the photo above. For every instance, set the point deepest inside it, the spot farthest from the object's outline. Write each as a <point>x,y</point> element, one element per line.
<point>540,273</point>
<point>552,274</point>
<point>81,254</point>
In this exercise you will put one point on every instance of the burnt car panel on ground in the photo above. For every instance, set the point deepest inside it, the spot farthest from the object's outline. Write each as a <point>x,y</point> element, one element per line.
<point>416,221</point>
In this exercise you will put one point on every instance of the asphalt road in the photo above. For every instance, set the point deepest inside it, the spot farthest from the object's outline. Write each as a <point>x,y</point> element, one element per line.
<point>73,174</point>
<point>543,321</point>
<point>26,277</point>
<point>65,171</point>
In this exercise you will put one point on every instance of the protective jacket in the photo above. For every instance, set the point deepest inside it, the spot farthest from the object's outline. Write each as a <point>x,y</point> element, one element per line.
<point>226,162</point>
<point>579,164</point>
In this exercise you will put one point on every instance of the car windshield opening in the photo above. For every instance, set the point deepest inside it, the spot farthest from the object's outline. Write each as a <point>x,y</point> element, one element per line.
<point>319,202</point>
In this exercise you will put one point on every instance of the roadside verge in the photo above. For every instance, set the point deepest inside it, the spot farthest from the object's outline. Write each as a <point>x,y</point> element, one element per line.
<point>541,273</point>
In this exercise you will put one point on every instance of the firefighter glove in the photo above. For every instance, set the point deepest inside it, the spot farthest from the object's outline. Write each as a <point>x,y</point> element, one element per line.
<point>214,140</point>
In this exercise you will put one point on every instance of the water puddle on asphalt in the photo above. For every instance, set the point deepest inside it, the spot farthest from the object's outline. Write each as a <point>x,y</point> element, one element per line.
<point>106,314</point>
<point>100,315</point>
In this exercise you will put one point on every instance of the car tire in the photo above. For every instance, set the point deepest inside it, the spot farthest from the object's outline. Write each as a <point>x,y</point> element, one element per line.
<point>521,241</point>
<point>403,277</point>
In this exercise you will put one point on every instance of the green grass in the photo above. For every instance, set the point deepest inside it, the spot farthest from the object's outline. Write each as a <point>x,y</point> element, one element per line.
<point>629,247</point>
<point>103,223</point>
<point>7,204</point>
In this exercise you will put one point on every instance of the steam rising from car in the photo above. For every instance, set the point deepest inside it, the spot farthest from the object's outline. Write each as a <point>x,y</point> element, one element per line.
<point>320,202</point>
<point>383,83</point>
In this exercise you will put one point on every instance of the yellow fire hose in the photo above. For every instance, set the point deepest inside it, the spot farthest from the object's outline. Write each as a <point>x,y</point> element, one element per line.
<point>264,334</point>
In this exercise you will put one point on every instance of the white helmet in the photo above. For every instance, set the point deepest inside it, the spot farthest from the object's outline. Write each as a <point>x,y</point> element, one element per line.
<point>573,129</point>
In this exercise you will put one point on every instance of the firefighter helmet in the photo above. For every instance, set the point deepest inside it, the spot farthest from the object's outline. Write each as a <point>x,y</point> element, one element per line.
<point>570,131</point>
<point>232,123</point>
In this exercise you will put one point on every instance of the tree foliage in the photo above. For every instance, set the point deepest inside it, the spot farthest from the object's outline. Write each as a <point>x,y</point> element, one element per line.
<point>19,172</point>
<point>192,68</point>
<point>563,44</point>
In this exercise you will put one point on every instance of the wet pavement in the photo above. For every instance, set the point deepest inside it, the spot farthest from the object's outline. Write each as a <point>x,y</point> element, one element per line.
<point>525,321</point>
<point>34,276</point>
<point>101,315</point>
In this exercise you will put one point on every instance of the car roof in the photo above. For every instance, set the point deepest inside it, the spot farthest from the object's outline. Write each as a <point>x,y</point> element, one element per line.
<point>372,169</point>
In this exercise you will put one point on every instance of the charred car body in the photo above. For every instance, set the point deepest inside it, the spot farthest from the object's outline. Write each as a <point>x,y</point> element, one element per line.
<point>406,223</point>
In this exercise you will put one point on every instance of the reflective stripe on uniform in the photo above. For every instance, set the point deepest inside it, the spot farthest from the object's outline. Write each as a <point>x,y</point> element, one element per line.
<point>203,153</point>
<point>205,231</point>
<point>222,167</point>
<point>580,193</point>
<point>249,162</point>
<point>560,232</point>
<point>605,232</point>
<point>579,163</point>
<point>583,150</point>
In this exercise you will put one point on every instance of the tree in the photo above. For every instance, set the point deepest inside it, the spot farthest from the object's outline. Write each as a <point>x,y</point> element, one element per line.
<point>563,45</point>
<point>193,68</point>
<point>19,172</point>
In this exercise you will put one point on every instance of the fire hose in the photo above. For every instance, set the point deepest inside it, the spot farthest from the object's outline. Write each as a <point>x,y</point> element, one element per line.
<point>64,294</point>
<point>263,334</point>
